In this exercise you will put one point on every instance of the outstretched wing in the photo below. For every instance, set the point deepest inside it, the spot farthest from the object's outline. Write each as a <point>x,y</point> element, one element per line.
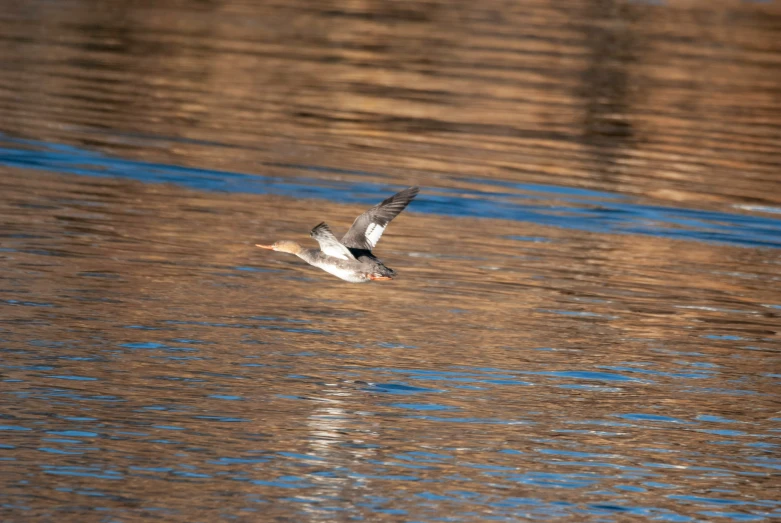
<point>368,227</point>
<point>329,244</point>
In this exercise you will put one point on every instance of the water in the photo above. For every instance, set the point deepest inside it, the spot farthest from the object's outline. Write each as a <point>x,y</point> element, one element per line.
<point>586,321</point>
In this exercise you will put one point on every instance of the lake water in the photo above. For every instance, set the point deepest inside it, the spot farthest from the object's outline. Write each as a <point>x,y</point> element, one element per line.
<point>585,326</point>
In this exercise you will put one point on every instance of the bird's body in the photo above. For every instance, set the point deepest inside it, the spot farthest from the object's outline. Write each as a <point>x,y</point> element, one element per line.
<point>351,259</point>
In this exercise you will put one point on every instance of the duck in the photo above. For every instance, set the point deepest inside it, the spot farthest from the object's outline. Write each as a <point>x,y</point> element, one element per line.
<point>351,258</point>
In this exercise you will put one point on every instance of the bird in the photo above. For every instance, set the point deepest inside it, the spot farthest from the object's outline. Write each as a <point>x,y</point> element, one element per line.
<point>351,259</point>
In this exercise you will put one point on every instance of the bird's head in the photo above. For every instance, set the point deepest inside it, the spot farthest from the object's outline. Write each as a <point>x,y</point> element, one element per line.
<point>282,246</point>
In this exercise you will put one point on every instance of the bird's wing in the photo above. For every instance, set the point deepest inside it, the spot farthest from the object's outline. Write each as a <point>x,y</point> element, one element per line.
<point>329,245</point>
<point>368,227</point>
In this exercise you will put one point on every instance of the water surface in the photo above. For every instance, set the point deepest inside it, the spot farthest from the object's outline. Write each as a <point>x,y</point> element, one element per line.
<point>585,326</point>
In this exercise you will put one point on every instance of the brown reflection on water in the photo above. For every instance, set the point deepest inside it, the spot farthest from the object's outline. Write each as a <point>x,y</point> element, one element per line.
<point>156,365</point>
<point>678,102</point>
<point>205,388</point>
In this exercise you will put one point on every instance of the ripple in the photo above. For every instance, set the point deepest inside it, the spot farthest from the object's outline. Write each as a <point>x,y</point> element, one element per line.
<point>593,211</point>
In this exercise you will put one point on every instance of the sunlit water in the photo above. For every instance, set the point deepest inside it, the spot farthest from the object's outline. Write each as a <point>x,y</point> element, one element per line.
<point>585,326</point>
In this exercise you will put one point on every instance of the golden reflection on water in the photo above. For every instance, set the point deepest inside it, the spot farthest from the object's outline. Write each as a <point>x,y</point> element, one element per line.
<point>678,102</point>
<point>196,373</point>
<point>157,365</point>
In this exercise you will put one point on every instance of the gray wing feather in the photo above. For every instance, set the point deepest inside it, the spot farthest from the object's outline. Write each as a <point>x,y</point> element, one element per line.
<point>329,245</point>
<point>368,227</point>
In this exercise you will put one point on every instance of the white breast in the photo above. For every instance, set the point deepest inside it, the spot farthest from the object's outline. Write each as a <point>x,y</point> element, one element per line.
<point>344,274</point>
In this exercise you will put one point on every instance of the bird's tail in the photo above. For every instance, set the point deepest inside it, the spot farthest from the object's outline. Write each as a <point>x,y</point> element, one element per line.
<point>385,272</point>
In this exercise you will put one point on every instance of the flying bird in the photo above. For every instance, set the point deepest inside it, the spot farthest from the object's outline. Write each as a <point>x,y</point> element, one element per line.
<point>351,259</point>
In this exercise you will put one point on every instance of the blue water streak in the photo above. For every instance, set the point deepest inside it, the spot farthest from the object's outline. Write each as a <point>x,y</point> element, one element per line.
<point>565,207</point>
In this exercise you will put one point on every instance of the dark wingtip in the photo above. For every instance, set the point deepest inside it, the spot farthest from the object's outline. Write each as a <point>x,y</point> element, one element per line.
<point>407,194</point>
<point>320,226</point>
